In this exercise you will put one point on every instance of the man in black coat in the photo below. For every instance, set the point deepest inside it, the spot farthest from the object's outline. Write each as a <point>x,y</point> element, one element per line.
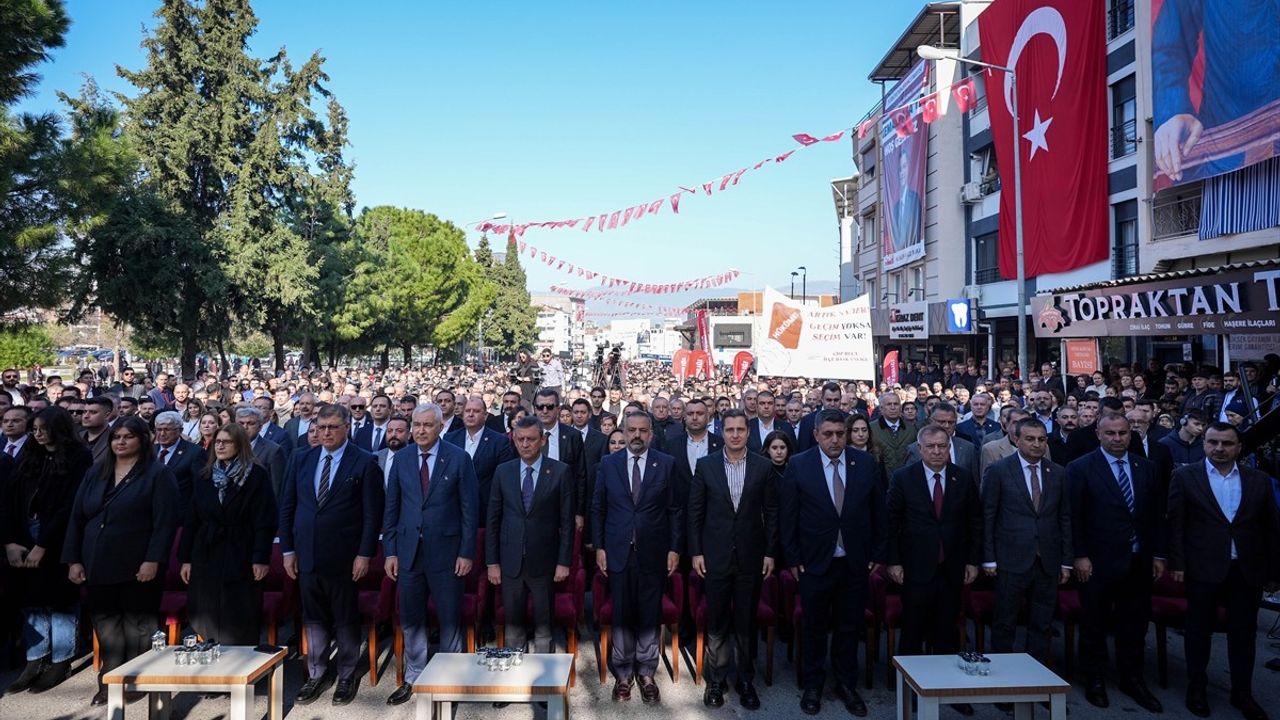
<point>733,540</point>
<point>563,443</point>
<point>1224,541</point>
<point>830,398</point>
<point>1118,538</point>
<point>184,459</point>
<point>594,446</point>
<point>935,542</point>
<point>765,422</point>
<point>529,542</point>
<point>488,449</point>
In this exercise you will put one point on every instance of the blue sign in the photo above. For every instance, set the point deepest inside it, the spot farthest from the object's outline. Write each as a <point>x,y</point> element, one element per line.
<point>959,316</point>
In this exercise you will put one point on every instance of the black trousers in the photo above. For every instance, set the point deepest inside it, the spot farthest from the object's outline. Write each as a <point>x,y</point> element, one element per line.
<point>516,592</point>
<point>224,609</point>
<point>1241,603</point>
<point>929,613</point>
<point>732,601</point>
<point>330,610</point>
<point>124,615</point>
<point>834,603</point>
<point>1039,585</point>
<point>1123,602</point>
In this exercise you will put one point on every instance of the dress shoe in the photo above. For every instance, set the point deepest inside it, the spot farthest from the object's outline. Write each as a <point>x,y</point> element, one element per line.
<point>1249,707</point>
<point>345,692</point>
<point>1096,693</point>
<point>401,695</point>
<point>747,696</point>
<point>811,701</point>
<point>99,698</point>
<point>1137,689</point>
<point>852,700</point>
<point>713,696</point>
<point>53,675</point>
<point>1197,702</point>
<point>622,691</point>
<point>964,709</point>
<point>309,691</point>
<point>649,690</point>
<point>30,674</point>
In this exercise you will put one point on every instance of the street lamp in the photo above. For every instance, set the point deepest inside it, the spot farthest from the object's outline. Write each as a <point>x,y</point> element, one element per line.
<point>804,284</point>
<point>793,284</point>
<point>929,52</point>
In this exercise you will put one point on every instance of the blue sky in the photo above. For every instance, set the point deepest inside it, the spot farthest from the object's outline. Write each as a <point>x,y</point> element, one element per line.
<point>552,110</point>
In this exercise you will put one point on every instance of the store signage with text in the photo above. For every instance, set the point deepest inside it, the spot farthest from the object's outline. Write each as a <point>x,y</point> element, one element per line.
<point>909,321</point>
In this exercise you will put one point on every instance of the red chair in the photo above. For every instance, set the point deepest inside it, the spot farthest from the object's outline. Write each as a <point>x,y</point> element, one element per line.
<point>793,608</point>
<point>372,598</point>
<point>672,607</point>
<point>173,601</point>
<point>568,606</point>
<point>1169,610</point>
<point>279,596</point>
<point>1069,612</point>
<point>767,612</point>
<point>474,593</point>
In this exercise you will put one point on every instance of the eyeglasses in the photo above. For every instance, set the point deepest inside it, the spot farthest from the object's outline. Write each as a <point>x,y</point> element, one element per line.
<point>223,441</point>
<point>546,406</point>
<point>328,428</point>
<point>357,407</point>
<point>76,412</point>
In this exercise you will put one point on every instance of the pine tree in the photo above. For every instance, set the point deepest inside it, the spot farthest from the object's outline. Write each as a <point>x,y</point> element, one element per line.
<point>512,324</point>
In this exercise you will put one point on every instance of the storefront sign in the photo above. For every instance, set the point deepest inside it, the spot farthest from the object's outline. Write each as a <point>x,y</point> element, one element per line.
<point>959,316</point>
<point>1081,356</point>
<point>909,321</point>
<point>1253,347</point>
<point>1233,302</point>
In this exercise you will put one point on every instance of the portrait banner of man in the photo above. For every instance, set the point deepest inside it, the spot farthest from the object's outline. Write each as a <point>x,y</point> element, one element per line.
<point>906,150</point>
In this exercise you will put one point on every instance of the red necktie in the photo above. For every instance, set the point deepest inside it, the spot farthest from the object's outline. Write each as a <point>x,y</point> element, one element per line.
<point>424,474</point>
<point>937,511</point>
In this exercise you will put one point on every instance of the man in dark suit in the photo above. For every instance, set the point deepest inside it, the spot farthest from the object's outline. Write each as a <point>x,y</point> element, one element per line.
<point>270,430</point>
<point>638,529</point>
<point>447,402</point>
<point>832,517</point>
<point>961,453</point>
<point>563,443</point>
<point>304,409</point>
<point>1225,543</point>
<point>935,543</point>
<point>330,512</point>
<point>486,448</point>
<point>498,423</point>
<point>733,541</point>
<point>397,438</point>
<point>695,443</point>
<point>429,537</point>
<point>372,436</point>
<point>1064,423</point>
<point>1084,439</point>
<point>594,446</point>
<point>529,541</point>
<point>830,398</point>
<point>184,458</point>
<point>1026,538</point>
<point>765,422</point>
<point>1118,539</point>
<point>980,427</point>
<point>265,453</point>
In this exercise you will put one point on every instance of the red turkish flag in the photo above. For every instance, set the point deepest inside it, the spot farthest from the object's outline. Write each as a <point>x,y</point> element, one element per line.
<point>805,139</point>
<point>1059,51</point>
<point>929,109</point>
<point>902,122</point>
<point>965,94</point>
<point>865,126</point>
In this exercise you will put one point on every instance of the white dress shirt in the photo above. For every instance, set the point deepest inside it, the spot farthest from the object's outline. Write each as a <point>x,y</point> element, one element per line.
<point>13,447</point>
<point>472,441</point>
<point>553,441</point>
<point>695,450</point>
<point>333,467</point>
<point>1227,491</point>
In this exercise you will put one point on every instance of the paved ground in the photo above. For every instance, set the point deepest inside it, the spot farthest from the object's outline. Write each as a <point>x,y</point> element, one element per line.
<point>590,701</point>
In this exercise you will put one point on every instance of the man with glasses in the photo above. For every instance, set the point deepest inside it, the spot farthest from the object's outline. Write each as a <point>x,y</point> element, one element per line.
<point>564,444</point>
<point>552,372</point>
<point>330,513</point>
<point>359,418</point>
<point>183,458</point>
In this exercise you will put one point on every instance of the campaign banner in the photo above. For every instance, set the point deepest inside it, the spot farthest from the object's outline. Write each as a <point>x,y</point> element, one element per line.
<point>742,365</point>
<point>1081,356</point>
<point>704,330</point>
<point>821,342</point>
<point>889,368</point>
<point>909,321</point>
<point>680,365</point>
<point>906,153</point>
<point>1215,97</point>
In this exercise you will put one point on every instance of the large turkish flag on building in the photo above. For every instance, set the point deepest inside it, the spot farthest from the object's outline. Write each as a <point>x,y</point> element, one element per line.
<point>1059,52</point>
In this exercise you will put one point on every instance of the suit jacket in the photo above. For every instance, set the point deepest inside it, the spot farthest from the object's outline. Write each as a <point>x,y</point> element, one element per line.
<point>112,536</point>
<point>654,524</point>
<point>452,424</point>
<point>446,519</point>
<point>804,433</point>
<point>293,430</point>
<point>272,459</point>
<point>277,435</point>
<point>915,533</point>
<point>679,448</point>
<point>1058,448</point>
<point>185,462</point>
<point>364,437</point>
<point>99,445</point>
<point>594,446</point>
<point>732,539</point>
<point>1200,536</point>
<point>755,439</point>
<point>809,521</point>
<point>995,451</point>
<point>328,537</point>
<point>492,450</point>
<point>1102,527</point>
<point>1014,532</point>
<point>573,454</point>
<point>532,542</point>
<point>978,433</point>
<point>496,423</point>
<point>967,457</point>
<point>893,445</point>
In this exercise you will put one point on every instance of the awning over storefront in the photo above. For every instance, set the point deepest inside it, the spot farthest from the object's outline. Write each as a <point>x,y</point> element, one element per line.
<point>1225,300</point>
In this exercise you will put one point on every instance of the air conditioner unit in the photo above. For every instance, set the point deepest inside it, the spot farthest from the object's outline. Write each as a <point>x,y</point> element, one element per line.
<point>971,192</point>
<point>970,292</point>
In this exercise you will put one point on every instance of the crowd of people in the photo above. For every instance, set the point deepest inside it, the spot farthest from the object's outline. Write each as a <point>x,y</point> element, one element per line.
<point>1115,482</point>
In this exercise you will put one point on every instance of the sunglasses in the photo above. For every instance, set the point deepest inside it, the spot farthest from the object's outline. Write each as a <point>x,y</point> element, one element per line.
<point>357,407</point>
<point>547,406</point>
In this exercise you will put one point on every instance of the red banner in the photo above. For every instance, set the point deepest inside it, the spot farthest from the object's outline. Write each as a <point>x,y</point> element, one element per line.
<point>704,330</point>
<point>1058,50</point>
<point>680,364</point>
<point>741,365</point>
<point>889,368</point>
<point>701,364</point>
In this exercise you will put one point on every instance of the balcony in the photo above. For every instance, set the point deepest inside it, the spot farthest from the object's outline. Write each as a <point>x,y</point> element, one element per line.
<point>1176,215</point>
<point>982,276</point>
<point>1120,16</point>
<point>1124,139</point>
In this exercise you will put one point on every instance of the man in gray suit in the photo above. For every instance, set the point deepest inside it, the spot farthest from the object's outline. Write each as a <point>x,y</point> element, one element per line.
<point>265,453</point>
<point>963,453</point>
<point>1026,537</point>
<point>1003,446</point>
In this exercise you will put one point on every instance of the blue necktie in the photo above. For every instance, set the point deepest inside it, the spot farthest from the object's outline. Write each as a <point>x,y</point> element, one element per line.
<point>1126,487</point>
<point>526,489</point>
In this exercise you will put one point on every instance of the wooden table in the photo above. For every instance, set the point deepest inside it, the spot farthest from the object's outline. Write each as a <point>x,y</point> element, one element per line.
<point>455,677</point>
<point>1015,678</point>
<point>235,672</point>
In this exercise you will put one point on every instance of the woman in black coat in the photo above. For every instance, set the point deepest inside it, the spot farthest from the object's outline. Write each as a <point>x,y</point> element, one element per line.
<point>34,526</point>
<point>225,549</point>
<point>118,540</point>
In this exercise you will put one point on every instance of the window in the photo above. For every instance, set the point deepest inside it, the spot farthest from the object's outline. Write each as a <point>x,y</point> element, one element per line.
<point>1124,249</point>
<point>1119,18</point>
<point>870,285</point>
<point>986,259</point>
<point>982,168</point>
<point>916,291</point>
<point>869,236</point>
<point>867,165</point>
<point>899,291</point>
<point>1124,124</point>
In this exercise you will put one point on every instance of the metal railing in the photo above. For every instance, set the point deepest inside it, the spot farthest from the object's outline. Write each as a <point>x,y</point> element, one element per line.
<point>1176,215</point>
<point>982,276</point>
<point>1120,18</point>
<point>1124,139</point>
<point>1124,258</point>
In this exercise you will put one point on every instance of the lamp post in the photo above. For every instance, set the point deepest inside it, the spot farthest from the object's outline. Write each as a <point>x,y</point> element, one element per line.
<point>793,284</point>
<point>929,52</point>
<point>804,284</point>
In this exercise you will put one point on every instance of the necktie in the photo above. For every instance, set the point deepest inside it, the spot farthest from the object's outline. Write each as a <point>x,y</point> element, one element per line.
<point>323,492</point>
<point>635,479</point>
<point>1035,487</point>
<point>12,450</point>
<point>1126,487</point>
<point>837,486</point>
<point>377,438</point>
<point>424,474</point>
<point>526,489</point>
<point>546,443</point>
<point>937,511</point>
<point>164,453</point>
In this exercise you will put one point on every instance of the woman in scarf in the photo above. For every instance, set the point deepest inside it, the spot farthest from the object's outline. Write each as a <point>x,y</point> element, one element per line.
<point>225,549</point>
